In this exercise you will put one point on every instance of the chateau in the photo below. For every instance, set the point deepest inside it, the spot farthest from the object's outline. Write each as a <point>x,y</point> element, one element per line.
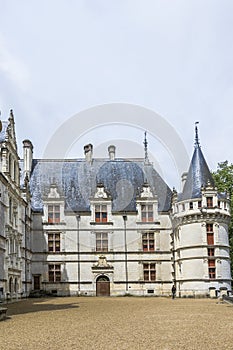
<point>100,227</point>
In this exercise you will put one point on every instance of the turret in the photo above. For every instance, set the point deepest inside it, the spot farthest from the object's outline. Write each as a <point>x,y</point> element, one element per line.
<point>201,217</point>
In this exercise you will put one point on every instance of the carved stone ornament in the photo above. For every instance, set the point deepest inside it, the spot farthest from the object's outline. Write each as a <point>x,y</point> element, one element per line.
<point>100,192</point>
<point>146,192</point>
<point>102,263</point>
<point>53,193</point>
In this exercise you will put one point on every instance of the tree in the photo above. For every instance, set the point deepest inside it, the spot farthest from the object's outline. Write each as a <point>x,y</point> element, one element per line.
<point>223,178</point>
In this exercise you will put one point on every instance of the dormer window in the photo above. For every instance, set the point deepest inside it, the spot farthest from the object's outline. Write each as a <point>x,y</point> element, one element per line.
<point>209,202</point>
<point>147,212</point>
<point>101,213</point>
<point>53,214</point>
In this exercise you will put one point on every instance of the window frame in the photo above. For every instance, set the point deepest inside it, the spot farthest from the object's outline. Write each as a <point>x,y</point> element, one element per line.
<point>54,213</point>
<point>148,241</point>
<point>210,233</point>
<point>210,251</point>
<point>54,242</point>
<point>149,272</point>
<point>54,273</point>
<point>211,269</point>
<point>209,202</point>
<point>147,212</point>
<point>101,212</point>
<point>101,242</point>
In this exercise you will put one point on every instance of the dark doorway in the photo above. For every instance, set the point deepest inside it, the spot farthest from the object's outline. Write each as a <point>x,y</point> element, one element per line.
<point>36,282</point>
<point>102,286</point>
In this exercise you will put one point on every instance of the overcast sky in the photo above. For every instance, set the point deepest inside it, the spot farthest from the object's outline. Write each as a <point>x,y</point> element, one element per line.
<point>60,57</point>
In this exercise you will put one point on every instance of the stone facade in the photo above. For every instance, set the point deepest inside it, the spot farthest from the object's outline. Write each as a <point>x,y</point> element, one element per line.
<point>108,226</point>
<point>15,224</point>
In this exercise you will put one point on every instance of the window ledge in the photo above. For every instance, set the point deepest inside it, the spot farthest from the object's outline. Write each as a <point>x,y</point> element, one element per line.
<point>148,222</point>
<point>101,223</point>
<point>53,223</point>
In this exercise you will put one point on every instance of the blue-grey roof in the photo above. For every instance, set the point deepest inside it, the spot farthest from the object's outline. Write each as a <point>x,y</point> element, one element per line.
<point>198,175</point>
<point>76,181</point>
<point>3,132</point>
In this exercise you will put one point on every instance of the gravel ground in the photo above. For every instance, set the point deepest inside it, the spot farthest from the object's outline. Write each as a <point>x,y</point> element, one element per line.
<point>117,323</point>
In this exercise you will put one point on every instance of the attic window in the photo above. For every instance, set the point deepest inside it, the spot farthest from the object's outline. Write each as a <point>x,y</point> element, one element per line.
<point>209,201</point>
<point>101,213</point>
<point>53,214</point>
<point>147,212</point>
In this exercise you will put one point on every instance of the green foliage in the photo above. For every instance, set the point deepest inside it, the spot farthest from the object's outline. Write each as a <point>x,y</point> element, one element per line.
<point>223,178</point>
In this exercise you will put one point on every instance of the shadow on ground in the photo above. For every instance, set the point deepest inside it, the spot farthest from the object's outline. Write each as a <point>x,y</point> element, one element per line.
<point>35,305</point>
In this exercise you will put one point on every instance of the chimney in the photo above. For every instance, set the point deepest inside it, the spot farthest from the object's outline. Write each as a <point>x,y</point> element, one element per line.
<point>88,152</point>
<point>27,157</point>
<point>111,152</point>
<point>183,179</point>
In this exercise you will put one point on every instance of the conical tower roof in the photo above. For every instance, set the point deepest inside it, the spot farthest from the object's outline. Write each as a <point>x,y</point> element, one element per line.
<point>198,175</point>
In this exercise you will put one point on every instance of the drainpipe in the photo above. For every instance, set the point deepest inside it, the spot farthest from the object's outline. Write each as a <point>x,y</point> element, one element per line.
<point>78,251</point>
<point>126,255</point>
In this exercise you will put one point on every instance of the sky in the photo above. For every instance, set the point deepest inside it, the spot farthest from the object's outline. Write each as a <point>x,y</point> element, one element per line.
<point>174,57</point>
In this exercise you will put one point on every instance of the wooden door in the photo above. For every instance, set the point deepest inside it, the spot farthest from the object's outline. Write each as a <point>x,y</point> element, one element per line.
<point>36,282</point>
<point>102,287</point>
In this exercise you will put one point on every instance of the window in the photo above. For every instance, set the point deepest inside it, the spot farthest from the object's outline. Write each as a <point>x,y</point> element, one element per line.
<point>54,273</point>
<point>54,243</point>
<point>209,201</point>
<point>211,264</point>
<point>10,210</point>
<point>149,272</point>
<point>199,204</point>
<point>210,234</point>
<point>210,251</point>
<point>148,242</point>
<point>147,213</point>
<point>101,241</point>
<point>53,214</point>
<point>101,213</point>
<point>191,205</point>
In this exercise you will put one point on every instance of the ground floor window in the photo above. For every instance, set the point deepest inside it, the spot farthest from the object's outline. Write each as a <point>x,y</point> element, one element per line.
<point>54,272</point>
<point>149,272</point>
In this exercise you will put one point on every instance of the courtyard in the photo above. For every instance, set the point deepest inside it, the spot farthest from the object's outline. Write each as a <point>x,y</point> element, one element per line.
<point>117,323</point>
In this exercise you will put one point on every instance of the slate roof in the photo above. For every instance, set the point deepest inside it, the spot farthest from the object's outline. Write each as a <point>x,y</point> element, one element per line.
<point>76,181</point>
<point>198,175</point>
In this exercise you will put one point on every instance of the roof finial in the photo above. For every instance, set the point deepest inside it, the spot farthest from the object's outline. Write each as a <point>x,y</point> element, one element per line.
<point>197,144</point>
<point>145,148</point>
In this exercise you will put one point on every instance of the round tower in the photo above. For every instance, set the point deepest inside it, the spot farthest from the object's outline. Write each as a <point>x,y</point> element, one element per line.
<point>201,217</point>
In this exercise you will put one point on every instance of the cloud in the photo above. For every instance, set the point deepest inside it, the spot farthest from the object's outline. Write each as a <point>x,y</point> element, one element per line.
<point>12,67</point>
